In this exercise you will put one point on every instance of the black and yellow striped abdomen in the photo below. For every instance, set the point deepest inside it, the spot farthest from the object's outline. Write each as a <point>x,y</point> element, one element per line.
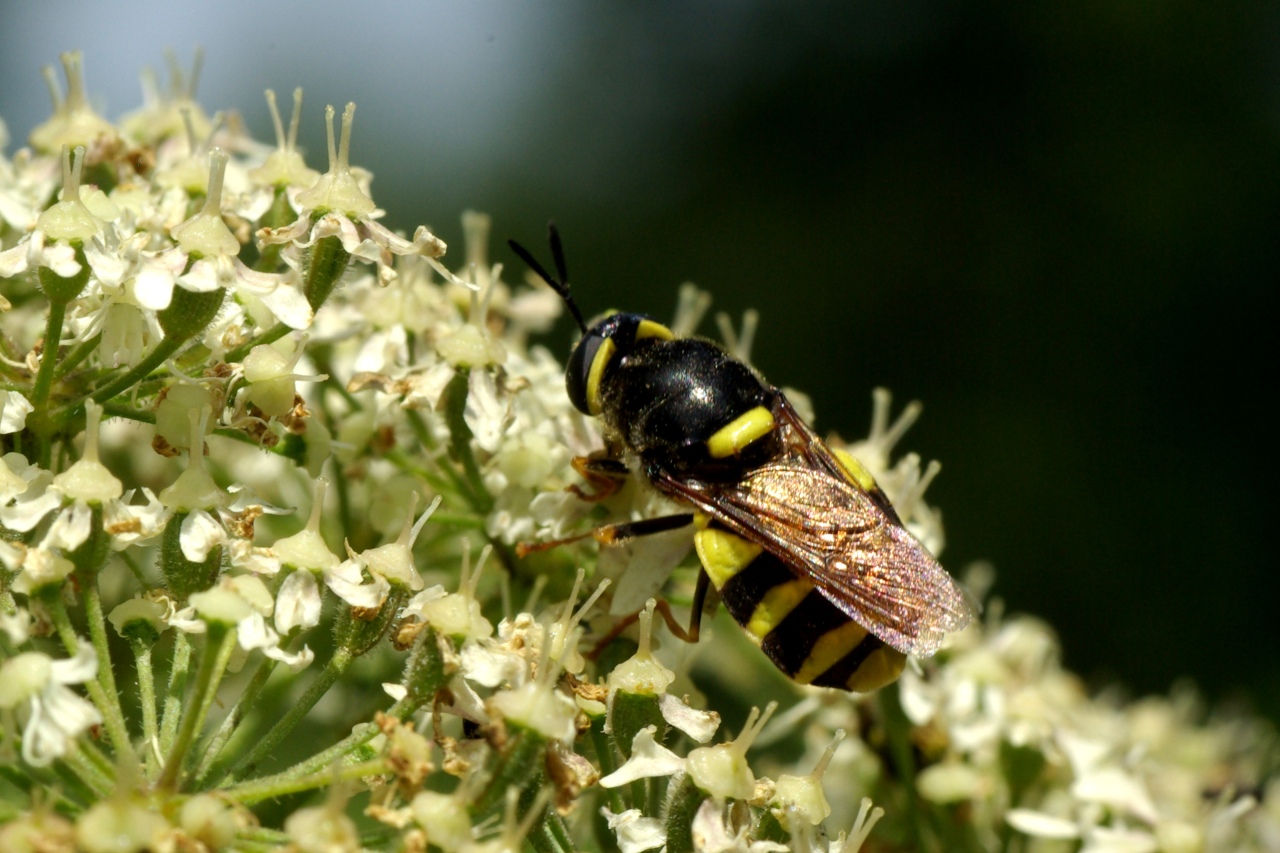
<point>804,634</point>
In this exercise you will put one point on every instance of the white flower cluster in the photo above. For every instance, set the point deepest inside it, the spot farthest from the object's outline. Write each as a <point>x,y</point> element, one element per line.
<point>179,645</point>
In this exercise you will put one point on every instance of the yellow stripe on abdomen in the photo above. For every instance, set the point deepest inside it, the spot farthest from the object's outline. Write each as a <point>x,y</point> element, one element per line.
<point>774,607</point>
<point>723,554</point>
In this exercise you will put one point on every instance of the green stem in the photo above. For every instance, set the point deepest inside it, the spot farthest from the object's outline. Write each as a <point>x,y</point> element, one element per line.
<point>460,436</point>
<point>231,722</point>
<point>114,410</point>
<point>678,819</point>
<point>258,790</point>
<point>109,709</point>
<point>75,355</point>
<point>49,358</point>
<point>517,766</point>
<point>165,348</point>
<point>79,763</point>
<point>147,696</point>
<point>275,333</point>
<point>179,672</point>
<point>219,643</point>
<point>98,626</point>
<point>608,762</point>
<point>332,671</point>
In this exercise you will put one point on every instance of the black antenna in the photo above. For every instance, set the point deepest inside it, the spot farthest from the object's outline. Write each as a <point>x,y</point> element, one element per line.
<point>559,284</point>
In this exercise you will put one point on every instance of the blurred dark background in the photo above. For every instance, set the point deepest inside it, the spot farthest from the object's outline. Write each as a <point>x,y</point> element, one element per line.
<point>1054,224</point>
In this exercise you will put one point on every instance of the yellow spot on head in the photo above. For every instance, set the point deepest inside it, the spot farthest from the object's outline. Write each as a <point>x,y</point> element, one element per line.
<point>650,329</point>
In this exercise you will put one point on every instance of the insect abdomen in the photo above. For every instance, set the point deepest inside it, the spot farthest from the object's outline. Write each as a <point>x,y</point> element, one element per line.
<point>804,634</point>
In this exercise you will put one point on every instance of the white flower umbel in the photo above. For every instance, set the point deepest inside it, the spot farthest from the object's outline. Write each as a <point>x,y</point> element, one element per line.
<point>38,685</point>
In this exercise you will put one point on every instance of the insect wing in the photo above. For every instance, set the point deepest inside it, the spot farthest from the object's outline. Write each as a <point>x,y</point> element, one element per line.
<point>806,509</point>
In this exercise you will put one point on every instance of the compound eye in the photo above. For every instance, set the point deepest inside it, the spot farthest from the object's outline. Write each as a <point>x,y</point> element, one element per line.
<point>580,371</point>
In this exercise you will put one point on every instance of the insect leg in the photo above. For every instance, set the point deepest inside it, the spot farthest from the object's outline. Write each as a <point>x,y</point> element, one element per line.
<point>663,609</point>
<point>605,475</point>
<point>613,534</point>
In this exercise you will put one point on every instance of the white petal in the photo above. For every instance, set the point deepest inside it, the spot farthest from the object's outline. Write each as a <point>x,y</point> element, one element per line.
<point>699,725</point>
<point>202,277</point>
<point>366,595</point>
<point>635,832</point>
<point>298,602</point>
<point>24,515</point>
<point>289,306</point>
<point>648,758</point>
<point>71,527</point>
<point>200,534</point>
<point>57,717</point>
<point>14,409</point>
<point>296,662</point>
<point>78,669</point>
<point>1040,824</point>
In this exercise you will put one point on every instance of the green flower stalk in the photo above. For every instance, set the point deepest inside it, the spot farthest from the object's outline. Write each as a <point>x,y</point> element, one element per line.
<point>229,390</point>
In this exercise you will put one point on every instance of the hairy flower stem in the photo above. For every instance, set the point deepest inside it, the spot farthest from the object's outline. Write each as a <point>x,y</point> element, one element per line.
<point>519,764</point>
<point>682,805</point>
<point>146,695</point>
<point>460,436</point>
<point>89,559</point>
<point>271,787</point>
<point>219,644</point>
<point>213,748</point>
<point>76,355</point>
<point>270,336</point>
<point>112,716</point>
<point>332,671</point>
<point>180,670</point>
<point>79,761</point>
<point>187,315</point>
<point>49,356</point>
<point>607,758</point>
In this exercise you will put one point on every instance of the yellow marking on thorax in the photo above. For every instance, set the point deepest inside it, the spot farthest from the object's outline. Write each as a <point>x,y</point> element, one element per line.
<point>881,667</point>
<point>723,554</point>
<point>732,438</point>
<point>651,329</point>
<point>856,469</point>
<point>829,648</point>
<point>604,354</point>
<point>775,606</point>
